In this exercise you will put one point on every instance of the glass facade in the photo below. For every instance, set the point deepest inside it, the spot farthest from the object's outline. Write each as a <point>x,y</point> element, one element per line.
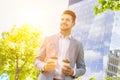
<point>95,32</point>
<point>113,63</point>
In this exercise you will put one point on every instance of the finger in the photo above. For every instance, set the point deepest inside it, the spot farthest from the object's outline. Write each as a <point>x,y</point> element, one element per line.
<point>66,73</point>
<point>68,67</point>
<point>63,70</point>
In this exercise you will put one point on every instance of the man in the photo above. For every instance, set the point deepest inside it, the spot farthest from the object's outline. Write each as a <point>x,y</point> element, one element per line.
<point>64,47</point>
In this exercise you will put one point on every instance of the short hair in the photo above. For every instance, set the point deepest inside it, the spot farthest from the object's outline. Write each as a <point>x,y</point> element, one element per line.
<point>70,13</point>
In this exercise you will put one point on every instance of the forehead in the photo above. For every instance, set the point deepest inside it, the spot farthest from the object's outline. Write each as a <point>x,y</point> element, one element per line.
<point>66,16</point>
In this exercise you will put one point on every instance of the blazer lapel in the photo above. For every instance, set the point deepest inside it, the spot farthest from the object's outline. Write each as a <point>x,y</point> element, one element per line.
<point>57,44</point>
<point>70,49</point>
<point>69,52</point>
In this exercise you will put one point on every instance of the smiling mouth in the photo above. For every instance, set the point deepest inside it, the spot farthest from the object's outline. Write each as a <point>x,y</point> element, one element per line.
<point>64,24</point>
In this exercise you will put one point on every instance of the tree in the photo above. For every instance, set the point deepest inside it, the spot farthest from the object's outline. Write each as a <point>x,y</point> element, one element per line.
<point>108,78</point>
<point>92,78</point>
<point>79,78</point>
<point>105,5</point>
<point>18,49</point>
<point>112,78</point>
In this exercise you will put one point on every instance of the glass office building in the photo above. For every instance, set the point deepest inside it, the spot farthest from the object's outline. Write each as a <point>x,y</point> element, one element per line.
<point>113,64</point>
<point>113,68</point>
<point>95,32</point>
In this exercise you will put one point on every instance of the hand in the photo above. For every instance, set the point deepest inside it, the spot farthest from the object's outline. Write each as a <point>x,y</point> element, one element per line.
<point>49,66</point>
<point>67,70</point>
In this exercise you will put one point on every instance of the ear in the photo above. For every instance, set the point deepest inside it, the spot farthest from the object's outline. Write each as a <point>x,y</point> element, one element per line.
<point>73,23</point>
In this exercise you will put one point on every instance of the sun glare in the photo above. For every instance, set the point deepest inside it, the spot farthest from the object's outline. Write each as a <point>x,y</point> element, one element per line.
<point>41,13</point>
<point>30,17</point>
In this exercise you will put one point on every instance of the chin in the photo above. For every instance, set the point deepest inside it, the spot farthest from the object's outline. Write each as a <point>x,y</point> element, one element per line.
<point>63,29</point>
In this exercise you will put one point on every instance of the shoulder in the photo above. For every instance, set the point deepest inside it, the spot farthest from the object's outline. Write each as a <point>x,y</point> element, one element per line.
<point>79,45</point>
<point>77,41</point>
<point>51,37</point>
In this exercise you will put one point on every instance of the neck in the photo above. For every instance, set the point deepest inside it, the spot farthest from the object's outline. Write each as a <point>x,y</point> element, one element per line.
<point>65,33</point>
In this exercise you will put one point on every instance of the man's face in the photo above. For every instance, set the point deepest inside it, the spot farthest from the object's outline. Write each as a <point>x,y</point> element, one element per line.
<point>66,22</point>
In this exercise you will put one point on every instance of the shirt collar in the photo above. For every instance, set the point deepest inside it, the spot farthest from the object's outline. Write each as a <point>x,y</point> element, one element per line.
<point>62,36</point>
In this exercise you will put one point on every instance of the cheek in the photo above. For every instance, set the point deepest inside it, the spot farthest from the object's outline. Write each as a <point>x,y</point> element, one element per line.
<point>61,23</point>
<point>72,24</point>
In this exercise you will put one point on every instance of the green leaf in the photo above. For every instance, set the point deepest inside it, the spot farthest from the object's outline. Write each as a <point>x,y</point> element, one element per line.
<point>18,49</point>
<point>105,5</point>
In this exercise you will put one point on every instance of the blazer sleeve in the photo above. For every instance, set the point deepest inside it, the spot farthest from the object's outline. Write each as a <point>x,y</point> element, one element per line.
<point>39,61</point>
<point>80,63</point>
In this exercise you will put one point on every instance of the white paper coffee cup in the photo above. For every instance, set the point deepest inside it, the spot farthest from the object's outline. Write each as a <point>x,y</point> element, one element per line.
<point>53,59</point>
<point>65,62</point>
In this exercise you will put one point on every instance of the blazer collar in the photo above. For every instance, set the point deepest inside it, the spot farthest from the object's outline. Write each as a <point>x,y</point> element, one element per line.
<point>62,36</point>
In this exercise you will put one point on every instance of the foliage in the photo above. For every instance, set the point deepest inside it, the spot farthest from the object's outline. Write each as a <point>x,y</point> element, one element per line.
<point>105,5</point>
<point>78,78</point>
<point>108,78</point>
<point>92,78</point>
<point>18,49</point>
<point>113,78</point>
